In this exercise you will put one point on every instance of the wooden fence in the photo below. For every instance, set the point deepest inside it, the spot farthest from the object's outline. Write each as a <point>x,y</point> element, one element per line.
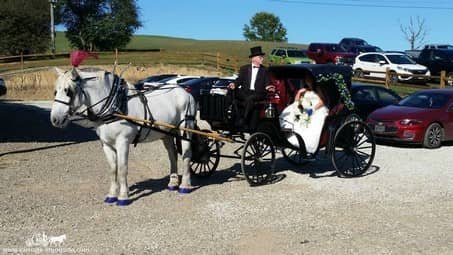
<point>391,78</point>
<point>221,62</point>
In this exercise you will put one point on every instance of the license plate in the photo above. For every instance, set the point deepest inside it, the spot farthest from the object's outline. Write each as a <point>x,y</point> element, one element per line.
<point>379,128</point>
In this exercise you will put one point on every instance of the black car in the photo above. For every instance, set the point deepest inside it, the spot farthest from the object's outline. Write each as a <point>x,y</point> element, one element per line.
<point>194,86</point>
<point>368,98</point>
<point>347,43</point>
<point>2,87</point>
<point>153,78</point>
<point>362,49</point>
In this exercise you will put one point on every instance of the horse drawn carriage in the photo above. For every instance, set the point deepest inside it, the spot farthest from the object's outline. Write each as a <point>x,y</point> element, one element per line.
<point>122,116</point>
<point>346,140</point>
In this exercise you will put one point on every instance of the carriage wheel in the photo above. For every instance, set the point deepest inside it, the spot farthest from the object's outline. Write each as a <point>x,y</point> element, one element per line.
<point>354,149</point>
<point>258,159</point>
<point>206,158</point>
<point>295,156</point>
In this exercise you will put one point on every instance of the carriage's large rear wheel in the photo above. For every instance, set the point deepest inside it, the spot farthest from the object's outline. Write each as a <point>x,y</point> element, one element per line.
<point>205,156</point>
<point>354,149</point>
<point>258,159</point>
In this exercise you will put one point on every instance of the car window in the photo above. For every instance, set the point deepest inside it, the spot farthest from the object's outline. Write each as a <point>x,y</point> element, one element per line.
<point>364,95</point>
<point>184,80</point>
<point>280,53</point>
<point>425,100</point>
<point>387,97</point>
<point>367,58</point>
<point>400,59</point>
<point>380,58</point>
<point>296,54</point>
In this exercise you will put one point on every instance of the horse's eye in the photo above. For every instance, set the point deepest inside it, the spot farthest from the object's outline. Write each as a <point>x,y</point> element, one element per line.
<point>66,90</point>
<point>54,93</point>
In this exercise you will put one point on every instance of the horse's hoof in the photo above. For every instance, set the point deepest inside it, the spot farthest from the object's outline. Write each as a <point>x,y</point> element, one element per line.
<point>172,188</point>
<point>110,200</point>
<point>123,202</point>
<point>184,190</point>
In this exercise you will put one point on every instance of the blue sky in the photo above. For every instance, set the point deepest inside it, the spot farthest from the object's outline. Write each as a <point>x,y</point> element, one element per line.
<point>377,21</point>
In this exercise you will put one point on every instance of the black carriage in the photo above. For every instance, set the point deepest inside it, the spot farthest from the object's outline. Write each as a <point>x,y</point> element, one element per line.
<point>346,139</point>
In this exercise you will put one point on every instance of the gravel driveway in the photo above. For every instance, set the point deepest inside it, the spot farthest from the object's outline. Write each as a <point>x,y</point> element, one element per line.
<point>53,182</point>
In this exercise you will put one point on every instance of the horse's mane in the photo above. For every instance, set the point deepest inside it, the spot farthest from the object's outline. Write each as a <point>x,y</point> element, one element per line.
<point>101,74</point>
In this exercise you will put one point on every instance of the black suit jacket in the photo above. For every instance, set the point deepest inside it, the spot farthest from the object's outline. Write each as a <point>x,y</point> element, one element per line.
<point>245,77</point>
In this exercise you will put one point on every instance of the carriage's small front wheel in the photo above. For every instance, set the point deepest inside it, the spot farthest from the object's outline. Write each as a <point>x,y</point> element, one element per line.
<point>258,159</point>
<point>205,156</point>
<point>354,149</point>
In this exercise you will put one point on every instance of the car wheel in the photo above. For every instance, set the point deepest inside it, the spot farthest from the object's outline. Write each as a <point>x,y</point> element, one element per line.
<point>434,135</point>
<point>358,73</point>
<point>450,76</point>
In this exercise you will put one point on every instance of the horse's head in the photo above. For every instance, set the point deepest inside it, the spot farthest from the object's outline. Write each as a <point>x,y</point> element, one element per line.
<point>68,97</point>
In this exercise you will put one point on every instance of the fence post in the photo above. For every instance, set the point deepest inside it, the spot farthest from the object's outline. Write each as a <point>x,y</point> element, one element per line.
<point>218,62</point>
<point>443,76</point>
<point>387,77</point>
<point>116,55</point>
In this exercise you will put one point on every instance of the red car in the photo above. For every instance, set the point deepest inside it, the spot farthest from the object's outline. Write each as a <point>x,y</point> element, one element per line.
<point>325,53</point>
<point>425,117</point>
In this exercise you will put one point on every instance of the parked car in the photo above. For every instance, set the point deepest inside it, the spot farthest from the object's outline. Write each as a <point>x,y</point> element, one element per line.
<point>324,53</point>
<point>288,56</point>
<point>425,117</point>
<point>153,78</point>
<point>368,98</point>
<point>170,80</point>
<point>194,86</point>
<point>347,43</point>
<point>437,60</point>
<point>374,64</point>
<point>2,87</point>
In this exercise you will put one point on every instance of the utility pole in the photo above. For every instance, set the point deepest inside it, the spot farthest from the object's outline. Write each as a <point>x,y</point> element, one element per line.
<point>52,26</point>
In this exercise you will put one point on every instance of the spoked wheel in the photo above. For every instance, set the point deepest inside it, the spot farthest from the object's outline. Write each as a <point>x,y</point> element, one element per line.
<point>354,149</point>
<point>258,159</point>
<point>293,155</point>
<point>205,156</point>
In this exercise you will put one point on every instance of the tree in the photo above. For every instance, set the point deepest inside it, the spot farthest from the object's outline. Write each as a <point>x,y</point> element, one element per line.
<point>415,32</point>
<point>24,26</point>
<point>99,24</point>
<point>265,26</point>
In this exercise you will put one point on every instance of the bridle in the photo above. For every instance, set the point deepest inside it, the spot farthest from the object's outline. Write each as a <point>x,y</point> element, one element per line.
<point>110,101</point>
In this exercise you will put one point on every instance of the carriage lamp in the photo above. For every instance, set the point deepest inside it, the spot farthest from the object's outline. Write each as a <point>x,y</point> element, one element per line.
<point>270,111</point>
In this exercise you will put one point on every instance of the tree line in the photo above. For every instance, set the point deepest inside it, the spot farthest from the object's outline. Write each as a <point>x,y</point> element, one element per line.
<point>102,25</point>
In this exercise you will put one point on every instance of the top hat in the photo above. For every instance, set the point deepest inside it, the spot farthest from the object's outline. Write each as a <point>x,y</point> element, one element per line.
<point>256,51</point>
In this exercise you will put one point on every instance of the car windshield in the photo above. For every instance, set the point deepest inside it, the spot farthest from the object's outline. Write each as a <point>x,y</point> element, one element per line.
<point>296,54</point>
<point>400,59</point>
<point>425,100</point>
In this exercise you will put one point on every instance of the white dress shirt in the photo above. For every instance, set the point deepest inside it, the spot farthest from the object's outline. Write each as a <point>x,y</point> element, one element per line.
<point>254,73</point>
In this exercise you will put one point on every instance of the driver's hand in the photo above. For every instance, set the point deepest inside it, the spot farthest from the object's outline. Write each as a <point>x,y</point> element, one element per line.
<point>231,85</point>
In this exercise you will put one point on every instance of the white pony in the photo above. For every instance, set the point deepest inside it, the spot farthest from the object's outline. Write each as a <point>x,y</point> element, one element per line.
<point>96,95</point>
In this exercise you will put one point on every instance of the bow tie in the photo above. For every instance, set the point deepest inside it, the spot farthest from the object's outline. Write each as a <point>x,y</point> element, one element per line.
<point>256,67</point>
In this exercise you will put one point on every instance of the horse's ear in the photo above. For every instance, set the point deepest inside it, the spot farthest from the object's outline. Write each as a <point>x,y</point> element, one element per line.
<point>74,74</point>
<point>59,71</point>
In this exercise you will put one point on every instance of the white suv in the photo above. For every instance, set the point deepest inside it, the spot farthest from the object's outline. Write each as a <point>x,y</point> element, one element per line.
<point>402,67</point>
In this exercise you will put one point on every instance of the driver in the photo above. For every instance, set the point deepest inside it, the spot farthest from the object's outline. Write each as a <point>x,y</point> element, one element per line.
<point>251,85</point>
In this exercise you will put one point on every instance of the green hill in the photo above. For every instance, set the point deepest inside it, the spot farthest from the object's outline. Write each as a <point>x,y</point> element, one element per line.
<point>238,49</point>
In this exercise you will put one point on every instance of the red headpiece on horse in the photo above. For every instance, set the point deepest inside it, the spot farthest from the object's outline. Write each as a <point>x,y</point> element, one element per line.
<point>78,56</point>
